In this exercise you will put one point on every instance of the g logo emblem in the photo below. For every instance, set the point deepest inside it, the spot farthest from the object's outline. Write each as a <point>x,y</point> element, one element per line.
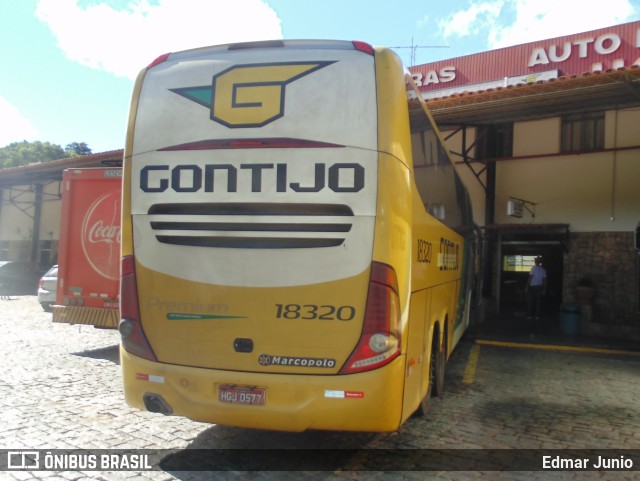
<point>249,95</point>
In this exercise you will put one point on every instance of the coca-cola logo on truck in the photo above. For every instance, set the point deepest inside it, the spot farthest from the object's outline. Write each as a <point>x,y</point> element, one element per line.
<point>101,235</point>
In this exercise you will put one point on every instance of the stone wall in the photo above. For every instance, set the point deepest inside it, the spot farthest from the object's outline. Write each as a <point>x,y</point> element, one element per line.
<point>611,262</point>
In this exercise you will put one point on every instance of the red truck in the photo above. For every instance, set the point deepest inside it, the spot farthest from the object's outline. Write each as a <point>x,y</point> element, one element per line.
<point>89,251</point>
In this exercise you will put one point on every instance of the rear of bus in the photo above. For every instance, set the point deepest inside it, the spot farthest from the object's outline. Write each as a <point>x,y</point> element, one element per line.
<point>265,273</point>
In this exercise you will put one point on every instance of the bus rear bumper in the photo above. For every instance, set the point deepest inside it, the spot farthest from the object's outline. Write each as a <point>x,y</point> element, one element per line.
<point>369,401</point>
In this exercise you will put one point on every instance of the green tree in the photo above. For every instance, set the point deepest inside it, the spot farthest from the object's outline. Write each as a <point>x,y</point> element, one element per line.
<point>22,153</point>
<point>77,148</point>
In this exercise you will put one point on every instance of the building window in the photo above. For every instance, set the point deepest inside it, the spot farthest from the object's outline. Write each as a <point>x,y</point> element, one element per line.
<point>494,141</point>
<point>45,253</point>
<point>583,132</point>
<point>516,263</point>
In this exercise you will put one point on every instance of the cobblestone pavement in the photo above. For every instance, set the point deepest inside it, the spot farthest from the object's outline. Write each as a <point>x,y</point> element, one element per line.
<point>60,388</point>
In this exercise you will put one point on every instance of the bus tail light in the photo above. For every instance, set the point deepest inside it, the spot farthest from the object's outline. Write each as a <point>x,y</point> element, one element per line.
<point>161,59</point>
<point>131,332</point>
<point>379,342</point>
<point>363,47</point>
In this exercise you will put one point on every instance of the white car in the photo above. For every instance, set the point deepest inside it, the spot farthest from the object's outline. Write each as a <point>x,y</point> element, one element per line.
<point>47,289</point>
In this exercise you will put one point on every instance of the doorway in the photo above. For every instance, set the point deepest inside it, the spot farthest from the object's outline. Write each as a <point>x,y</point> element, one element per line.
<point>517,259</point>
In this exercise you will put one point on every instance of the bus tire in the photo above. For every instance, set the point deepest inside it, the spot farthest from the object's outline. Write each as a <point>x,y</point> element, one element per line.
<point>437,364</point>
<point>440,367</point>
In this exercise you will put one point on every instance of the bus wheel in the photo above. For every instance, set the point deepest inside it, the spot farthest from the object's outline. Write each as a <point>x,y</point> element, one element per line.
<point>440,366</point>
<point>436,377</point>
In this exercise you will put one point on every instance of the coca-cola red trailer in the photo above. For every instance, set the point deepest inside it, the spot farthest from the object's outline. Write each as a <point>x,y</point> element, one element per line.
<point>89,250</point>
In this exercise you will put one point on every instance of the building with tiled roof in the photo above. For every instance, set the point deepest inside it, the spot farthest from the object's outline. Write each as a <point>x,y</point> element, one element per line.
<point>31,202</point>
<point>547,137</point>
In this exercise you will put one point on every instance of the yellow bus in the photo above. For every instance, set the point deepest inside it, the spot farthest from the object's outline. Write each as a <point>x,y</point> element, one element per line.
<point>293,256</point>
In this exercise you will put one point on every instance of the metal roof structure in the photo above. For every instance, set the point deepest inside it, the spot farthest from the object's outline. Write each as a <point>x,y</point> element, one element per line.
<point>45,172</point>
<point>589,92</point>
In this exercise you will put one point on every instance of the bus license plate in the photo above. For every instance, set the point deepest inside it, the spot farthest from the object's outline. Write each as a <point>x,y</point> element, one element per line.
<point>242,395</point>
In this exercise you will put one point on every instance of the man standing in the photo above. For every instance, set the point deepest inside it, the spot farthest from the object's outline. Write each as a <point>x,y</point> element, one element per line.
<point>535,289</point>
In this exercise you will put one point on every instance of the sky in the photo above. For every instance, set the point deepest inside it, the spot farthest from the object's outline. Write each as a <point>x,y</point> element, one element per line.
<point>68,66</point>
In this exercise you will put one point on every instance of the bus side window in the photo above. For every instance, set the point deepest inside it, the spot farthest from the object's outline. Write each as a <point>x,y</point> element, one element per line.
<point>435,178</point>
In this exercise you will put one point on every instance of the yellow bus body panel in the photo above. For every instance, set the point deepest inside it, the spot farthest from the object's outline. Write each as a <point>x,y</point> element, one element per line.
<point>126,227</point>
<point>394,208</point>
<point>171,307</point>
<point>371,401</point>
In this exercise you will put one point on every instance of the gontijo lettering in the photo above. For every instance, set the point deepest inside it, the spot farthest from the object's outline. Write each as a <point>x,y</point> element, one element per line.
<point>338,177</point>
